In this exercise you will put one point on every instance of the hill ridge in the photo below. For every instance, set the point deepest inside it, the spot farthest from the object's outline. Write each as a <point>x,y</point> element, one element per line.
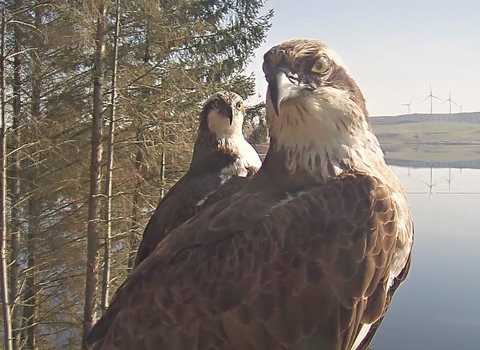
<point>470,117</point>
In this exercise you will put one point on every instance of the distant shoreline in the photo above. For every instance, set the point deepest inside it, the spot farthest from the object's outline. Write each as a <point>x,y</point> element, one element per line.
<point>430,140</point>
<point>468,117</point>
<point>426,140</point>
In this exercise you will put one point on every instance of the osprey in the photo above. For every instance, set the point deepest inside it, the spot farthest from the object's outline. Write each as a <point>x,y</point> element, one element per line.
<point>306,256</point>
<point>223,161</point>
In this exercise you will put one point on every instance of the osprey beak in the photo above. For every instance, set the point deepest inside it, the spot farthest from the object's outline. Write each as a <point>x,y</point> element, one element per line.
<point>230,114</point>
<point>227,111</point>
<point>283,84</point>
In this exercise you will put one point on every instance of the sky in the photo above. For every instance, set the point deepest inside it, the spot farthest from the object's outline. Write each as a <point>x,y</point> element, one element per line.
<point>393,49</point>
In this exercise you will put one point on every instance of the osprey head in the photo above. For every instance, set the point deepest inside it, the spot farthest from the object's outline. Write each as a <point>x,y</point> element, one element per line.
<point>315,109</point>
<point>307,73</point>
<point>220,133</point>
<point>223,113</point>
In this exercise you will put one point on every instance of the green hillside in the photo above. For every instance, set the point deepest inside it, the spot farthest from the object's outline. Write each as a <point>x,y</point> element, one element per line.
<point>439,141</point>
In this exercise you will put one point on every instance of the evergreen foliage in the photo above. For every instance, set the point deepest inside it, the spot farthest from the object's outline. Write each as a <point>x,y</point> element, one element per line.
<point>171,56</point>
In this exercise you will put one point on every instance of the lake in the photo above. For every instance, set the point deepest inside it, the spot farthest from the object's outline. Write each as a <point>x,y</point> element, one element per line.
<point>438,307</point>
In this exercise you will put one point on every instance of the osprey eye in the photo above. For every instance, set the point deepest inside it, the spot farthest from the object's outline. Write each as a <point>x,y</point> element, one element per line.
<point>238,105</point>
<point>280,54</point>
<point>321,66</point>
<point>216,103</point>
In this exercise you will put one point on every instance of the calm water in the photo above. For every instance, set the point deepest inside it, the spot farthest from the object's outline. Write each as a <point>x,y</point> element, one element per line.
<point>438,307</point>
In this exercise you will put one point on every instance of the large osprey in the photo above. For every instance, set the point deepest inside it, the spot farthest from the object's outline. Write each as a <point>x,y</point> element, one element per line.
<point>306,256</point>
<point>222,163</point>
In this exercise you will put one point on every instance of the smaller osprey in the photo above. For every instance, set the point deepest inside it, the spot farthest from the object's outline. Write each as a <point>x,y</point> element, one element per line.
<point>223,161</point>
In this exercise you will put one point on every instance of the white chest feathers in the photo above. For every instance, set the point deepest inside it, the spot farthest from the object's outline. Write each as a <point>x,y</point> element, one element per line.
<point>247,158</point>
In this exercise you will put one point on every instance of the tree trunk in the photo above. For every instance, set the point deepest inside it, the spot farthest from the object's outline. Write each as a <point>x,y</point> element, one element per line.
<point>7,325</point>
<point>15,192</point>
<point>109,186</point>
<point>30,302</point>
<point>135,220</point>
<point>29,336</point>
<point>162,174</point>
<point>95,168</point>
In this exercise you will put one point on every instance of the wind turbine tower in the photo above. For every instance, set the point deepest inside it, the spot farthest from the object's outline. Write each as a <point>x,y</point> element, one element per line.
<point>450,178</point>
<point>431,96</point>
<point>450,102</point>
<point>408,105</point>
<point>430,185</point>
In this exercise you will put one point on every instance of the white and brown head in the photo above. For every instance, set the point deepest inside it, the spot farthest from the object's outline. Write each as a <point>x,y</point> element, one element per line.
<point>220,141</point>
<point>315,110</point>
<point>222,115</point>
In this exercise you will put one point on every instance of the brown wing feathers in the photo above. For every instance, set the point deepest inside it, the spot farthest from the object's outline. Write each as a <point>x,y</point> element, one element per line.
<point>182,202</point>
<point>295,279</point>
<point>397,281</point>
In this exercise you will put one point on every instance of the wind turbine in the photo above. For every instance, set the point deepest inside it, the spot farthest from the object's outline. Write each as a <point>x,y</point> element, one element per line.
<point>430,185</point>
<point>451,101</point>
<point>431,96</point>
<point>460,109</point>
<point>408,105</point>
<point>450,178</point>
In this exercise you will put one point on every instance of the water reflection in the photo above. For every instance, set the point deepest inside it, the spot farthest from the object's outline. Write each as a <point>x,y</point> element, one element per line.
<point>438,307</point>
<point>439,181</point>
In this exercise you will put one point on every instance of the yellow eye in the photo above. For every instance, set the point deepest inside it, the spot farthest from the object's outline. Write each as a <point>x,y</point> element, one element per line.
<point>216,103</point>
<point>321,66</point>
<point>238,105</point>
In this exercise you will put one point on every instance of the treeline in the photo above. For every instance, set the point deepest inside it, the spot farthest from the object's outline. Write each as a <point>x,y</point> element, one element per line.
<point>99,111</point>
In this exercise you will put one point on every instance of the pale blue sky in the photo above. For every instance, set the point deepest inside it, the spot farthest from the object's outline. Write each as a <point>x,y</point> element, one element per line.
<point>393,49</point>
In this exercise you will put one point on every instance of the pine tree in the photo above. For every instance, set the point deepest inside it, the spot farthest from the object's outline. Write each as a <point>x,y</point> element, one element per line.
<point>7,325</point>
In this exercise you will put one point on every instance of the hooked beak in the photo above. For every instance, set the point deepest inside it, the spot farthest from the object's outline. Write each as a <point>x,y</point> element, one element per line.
<point>283,84</point>
<point>230,115</point>
<point>227,110</point>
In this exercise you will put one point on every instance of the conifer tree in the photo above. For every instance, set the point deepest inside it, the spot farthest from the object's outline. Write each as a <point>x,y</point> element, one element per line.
<point>171,55</point>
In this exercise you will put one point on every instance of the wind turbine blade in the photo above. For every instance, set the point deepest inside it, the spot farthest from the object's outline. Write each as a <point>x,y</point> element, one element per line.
<point>438,98</point>
<point>444,102</point>
<point>425,98</point>
<point>455,103</point>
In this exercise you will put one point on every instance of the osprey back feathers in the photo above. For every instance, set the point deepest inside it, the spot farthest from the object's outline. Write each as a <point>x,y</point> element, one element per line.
<point>307,256</point>
<point>222,163</point>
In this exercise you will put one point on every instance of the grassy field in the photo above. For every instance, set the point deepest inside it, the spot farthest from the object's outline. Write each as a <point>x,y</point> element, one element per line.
<point>430,141</point>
